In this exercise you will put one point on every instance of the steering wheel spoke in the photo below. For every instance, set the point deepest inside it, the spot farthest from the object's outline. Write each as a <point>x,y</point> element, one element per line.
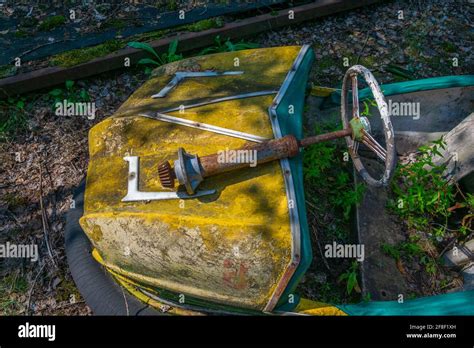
<point>373,145</point>
<point>354,147</point>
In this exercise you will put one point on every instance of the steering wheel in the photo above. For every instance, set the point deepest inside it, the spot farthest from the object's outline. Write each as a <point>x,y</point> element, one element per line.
<point>361,126</point>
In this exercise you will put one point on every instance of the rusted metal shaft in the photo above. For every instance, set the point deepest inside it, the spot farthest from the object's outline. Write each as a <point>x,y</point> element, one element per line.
<point>271,150</point>
<point>190,170</point>
<point>325,137</point>
<point>249,155</point>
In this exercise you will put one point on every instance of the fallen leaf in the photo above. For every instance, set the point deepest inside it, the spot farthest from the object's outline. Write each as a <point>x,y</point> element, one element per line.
<point>456,206</point>
<point>400,267</point>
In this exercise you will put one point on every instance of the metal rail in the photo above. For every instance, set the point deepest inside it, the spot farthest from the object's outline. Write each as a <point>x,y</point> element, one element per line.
<point>52,76</point>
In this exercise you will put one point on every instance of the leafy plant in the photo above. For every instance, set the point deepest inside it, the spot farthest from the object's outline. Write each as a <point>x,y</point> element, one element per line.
<point>407,249</point>
<point>70,93</point>
<point>227,46</point>
<point>422,194</point>
<point>331,195</point>
<point>328,292</point>
<point>350,277</point>
<point>322,168</point>
<point>318,159</point>
<point>347,198</point>
<point>367,104</point>
<point>157,60</point>
<point>12,117</point>
<point>391,250</point>
<point>411,251</point>
<point>426,200</point>
<point>468,205</point>
<point>429,263</point>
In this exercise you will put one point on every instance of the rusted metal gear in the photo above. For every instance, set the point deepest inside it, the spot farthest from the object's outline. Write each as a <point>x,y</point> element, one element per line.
<point>166,175</point>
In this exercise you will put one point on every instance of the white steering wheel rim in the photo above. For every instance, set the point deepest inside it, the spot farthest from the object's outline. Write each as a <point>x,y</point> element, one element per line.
<point>390,158</point>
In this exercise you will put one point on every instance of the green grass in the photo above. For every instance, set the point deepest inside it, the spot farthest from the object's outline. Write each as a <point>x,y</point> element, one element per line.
<point>151,35</point>
<point>7,70</point>
<point>205,24</point>
<point>14,201</point>
<point>325,169</point>
<point>66,289</point>
<point>11,287</point>
<point>51,23</point>
<point>326,62</point>
<point>331,196</point>
<point>227,46</point>
<point>415,38</point>
<point>425,201</point>
<point>115,23</point>
<point>328,293</point>
<point>20,33</point>
<point>411,251</point>
<point>369,62</point>
<point>407,249</point>
<point>83,55</point>
<point>13,118</point>
<point>172,5</point>
<point>391,250</point>
<point>449,47</point>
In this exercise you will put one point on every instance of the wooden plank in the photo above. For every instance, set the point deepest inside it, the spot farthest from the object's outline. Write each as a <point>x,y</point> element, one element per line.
<point>52,76</point>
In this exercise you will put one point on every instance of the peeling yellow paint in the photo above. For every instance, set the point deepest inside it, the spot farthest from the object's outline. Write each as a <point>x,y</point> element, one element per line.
<point>96,233</point>
<point>310,307</point>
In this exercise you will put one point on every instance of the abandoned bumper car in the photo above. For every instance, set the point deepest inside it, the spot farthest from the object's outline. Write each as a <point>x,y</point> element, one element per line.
<point>194,204</point>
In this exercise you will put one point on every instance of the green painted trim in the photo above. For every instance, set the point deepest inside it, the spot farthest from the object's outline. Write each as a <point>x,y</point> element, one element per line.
<point>293,124</point>
<point>457,303</point>
<point>412,86</point>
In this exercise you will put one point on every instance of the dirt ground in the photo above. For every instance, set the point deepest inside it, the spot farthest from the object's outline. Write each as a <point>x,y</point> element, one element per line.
<point>46,163</point>
<point>42,164</point>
